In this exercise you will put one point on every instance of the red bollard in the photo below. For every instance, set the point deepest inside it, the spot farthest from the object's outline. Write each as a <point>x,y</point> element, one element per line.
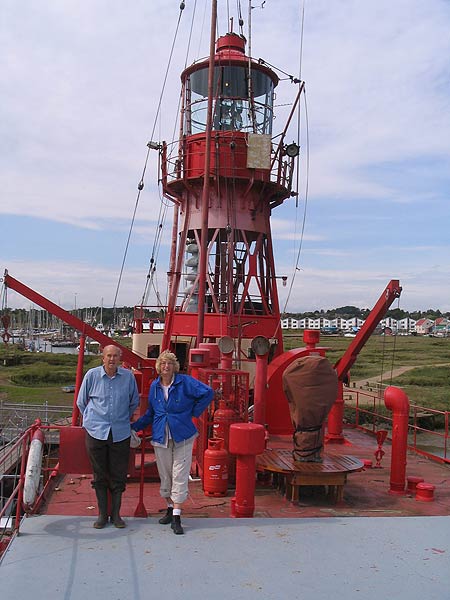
<point>397,401</point>
<point>425,492</point>
<point>246,441</point>
<point>412,483</point>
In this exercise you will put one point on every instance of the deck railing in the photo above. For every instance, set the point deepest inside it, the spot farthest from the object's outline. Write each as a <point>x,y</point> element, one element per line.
<point>428,429</point>
<point>13,461</point>
<point>13,454</point>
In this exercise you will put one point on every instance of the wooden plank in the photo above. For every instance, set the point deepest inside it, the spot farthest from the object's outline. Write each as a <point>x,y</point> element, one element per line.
<point>290,475</point>
<point>281,461</point>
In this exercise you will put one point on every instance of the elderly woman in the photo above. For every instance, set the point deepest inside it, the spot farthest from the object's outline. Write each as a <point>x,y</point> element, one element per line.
<point>173,400</point>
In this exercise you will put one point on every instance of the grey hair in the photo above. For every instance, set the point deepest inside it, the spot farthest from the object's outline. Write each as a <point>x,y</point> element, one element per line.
<point>167,356</point>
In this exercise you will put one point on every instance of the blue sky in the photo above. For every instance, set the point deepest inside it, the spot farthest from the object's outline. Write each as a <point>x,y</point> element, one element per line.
<point>80,85</point>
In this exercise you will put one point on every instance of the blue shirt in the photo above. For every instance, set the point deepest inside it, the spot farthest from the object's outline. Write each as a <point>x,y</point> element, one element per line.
<point>107,403</point>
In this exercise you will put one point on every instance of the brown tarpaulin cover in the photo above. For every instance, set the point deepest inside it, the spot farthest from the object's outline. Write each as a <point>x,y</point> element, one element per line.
<point>310,384</point>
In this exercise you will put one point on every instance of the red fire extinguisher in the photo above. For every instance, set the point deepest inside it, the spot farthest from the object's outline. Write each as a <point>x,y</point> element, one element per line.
<point>215,469</point>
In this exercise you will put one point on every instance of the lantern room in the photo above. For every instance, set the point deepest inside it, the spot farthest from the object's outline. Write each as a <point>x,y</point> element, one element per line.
<point>243,91</point>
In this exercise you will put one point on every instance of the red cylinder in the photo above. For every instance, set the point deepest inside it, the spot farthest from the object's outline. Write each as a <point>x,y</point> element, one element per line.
<point>246,440</point>
<point>425,492</point>
<point>260,389</point>
<point>412,483</point>
<point>397,401</point>
<point>223,418</point>
<point>215,469</point>
<point>311,337</point>
<point>336,418</point>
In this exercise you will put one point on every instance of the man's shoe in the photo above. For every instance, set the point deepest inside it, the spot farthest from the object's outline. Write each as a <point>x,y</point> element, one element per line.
<point>118,522</point>
<point>102,501</point>
<point>101,522</point>
<point>167,518</point>
<point>116,501</point>
<point>176,525</point>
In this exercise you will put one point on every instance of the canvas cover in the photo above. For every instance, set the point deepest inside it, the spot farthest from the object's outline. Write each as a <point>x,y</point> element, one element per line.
<point>310,384</point>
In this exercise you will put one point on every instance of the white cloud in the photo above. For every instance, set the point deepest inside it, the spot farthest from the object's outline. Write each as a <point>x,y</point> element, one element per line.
<point>80,86</point>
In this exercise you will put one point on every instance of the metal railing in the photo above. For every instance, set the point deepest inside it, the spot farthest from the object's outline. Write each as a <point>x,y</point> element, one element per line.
<point>13,461</point>
<point>428,429</point>
<point>15,418</point>
<point>13,454</point>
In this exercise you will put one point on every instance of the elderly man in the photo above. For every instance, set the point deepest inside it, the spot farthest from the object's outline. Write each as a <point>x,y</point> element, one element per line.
<point>107,399</point>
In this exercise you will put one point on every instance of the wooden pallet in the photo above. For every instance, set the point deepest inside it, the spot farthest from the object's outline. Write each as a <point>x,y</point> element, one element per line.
<point>289,475</point>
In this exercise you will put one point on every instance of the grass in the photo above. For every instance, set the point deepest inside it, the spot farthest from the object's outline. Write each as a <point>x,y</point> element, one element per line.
<point>35,377</point>
<point>427,384</point>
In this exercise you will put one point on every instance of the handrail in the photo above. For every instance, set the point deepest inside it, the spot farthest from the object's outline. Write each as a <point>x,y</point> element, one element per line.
<point>6,533</point>
<point>364,403</point>
<point>19,447</point>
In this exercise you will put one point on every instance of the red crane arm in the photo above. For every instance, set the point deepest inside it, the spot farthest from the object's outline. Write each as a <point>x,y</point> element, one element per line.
<point>344,364</point>
<point>134,360</point>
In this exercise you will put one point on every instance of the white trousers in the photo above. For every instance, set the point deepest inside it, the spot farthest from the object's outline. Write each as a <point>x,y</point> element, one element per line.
<point>174,466</point>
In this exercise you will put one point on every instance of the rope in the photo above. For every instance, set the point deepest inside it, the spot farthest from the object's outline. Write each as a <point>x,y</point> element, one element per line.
<point>393,354</point>
<point>383,354</point>
<point>152,272</point>
<point>302,232</point>
<point>141,182</point>
<point>297,261</point>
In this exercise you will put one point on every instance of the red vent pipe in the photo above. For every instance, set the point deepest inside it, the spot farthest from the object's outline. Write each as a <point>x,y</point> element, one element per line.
<point>397,401</point>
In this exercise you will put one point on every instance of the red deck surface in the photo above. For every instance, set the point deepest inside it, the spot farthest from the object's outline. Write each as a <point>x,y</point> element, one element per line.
<point>366,492</point>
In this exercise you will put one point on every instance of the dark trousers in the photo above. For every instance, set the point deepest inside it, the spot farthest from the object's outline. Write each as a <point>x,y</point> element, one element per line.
<point>109,462</point>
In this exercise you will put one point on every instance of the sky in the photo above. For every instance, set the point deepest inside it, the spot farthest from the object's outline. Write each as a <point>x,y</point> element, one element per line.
<point>80,86</point>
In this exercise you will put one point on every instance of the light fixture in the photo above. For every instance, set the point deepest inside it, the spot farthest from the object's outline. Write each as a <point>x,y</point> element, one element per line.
<point>260,345</point>
<point>292,150</point>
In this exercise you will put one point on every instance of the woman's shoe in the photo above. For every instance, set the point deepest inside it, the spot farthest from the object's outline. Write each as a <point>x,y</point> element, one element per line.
<point>167,518</point>
<point>176,525</point>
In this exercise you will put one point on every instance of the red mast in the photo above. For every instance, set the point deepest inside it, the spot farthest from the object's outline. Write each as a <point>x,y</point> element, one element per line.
<point>225,180</point>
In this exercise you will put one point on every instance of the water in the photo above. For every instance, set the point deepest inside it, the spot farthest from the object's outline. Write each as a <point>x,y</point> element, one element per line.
<point>36,344</point>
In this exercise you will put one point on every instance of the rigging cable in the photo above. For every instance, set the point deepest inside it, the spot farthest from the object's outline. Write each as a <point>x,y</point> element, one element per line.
<point>297,261</point>
<point>141,182</point>
<point>300,247</point>
<point>382,361</point>
<point>150,283</point>
<point>241,20</point>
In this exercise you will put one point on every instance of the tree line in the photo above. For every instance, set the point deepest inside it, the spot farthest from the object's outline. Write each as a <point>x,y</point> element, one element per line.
<point>123,317</point>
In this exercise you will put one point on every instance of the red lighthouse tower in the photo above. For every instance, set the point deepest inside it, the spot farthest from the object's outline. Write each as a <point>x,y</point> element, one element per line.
<point>224,179</point>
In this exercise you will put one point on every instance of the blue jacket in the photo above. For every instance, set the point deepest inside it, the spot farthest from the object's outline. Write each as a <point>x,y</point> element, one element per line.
<point>188,398</point>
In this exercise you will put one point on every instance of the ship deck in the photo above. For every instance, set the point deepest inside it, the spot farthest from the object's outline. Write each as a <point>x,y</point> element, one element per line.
<point>63,557</point>
<point>366,492</point>
<point>305,548</point>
